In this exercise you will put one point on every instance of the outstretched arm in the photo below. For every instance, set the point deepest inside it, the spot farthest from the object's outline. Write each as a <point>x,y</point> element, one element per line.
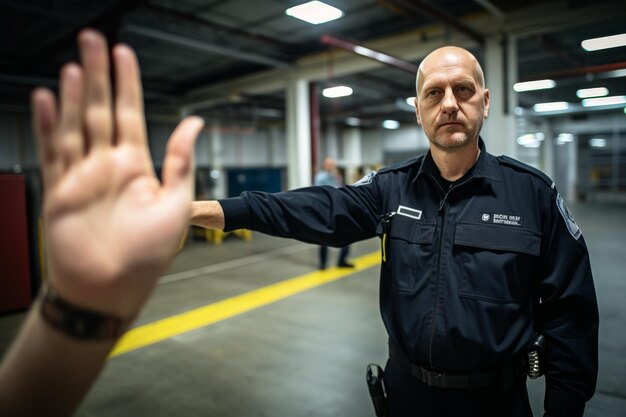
<point>110,227</point>
<point>207,214</point>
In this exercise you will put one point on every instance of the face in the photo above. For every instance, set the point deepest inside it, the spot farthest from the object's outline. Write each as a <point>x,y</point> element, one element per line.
<point>451,102</point>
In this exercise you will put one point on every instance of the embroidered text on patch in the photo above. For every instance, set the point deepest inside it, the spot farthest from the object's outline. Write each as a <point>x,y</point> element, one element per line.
<point>505,219</point>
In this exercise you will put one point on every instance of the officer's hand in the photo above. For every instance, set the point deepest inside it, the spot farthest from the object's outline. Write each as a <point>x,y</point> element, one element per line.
<point>111,228</point>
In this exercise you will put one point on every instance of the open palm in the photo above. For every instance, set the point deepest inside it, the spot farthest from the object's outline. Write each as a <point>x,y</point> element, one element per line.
<point>111,226</point>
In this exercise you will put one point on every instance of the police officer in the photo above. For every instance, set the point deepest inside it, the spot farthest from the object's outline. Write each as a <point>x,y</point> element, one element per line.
<point>479,254</point>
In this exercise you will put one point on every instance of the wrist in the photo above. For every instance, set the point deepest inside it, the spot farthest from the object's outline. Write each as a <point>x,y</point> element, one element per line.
<point>79,322</point>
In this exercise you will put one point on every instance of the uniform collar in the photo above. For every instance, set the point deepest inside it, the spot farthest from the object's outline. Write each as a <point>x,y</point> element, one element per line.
<point>483,168</point>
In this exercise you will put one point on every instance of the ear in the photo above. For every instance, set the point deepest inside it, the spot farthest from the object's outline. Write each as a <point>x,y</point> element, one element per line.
<point>417,113</point>
<point>486,103</point>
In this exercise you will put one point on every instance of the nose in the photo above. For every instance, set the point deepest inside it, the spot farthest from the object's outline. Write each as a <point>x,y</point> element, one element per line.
<point>449,104</point>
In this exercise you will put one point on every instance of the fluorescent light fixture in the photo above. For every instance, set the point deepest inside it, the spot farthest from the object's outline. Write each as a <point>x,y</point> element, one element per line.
<point>353,121</point>
<point>410,101</point>
<point>534,85</point>
<point>527,139</point>
<point>592,92</point>
<point>604,101</point>
<point>597,142</point>
<point>605,42</point>
<point>339,91</point>
<point>391,124</point>
<point>530,140</point>
<point>564,138</point>
<point>314,12</point>
<point>553,106</point>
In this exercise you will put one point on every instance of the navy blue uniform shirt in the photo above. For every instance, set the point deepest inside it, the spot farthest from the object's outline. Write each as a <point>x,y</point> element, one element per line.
<point>470,271</point>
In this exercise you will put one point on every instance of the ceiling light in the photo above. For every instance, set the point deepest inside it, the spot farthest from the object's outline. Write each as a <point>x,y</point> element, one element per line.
<point>592,92</point>
<point>314,12</point>
<point>534,85</point>
<point>604,101</point>
<point>564,138</point>
<point>391,124</point>
<point>353,121</point>
<point>597,142</point>
<point>605,42</point>
<point>529,140</point>
<point>554,106</point>
<point>339,91</point>
<point>410,101</point>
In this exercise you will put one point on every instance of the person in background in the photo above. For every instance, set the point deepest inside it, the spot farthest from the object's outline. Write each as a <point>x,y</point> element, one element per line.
<point>329,176</point>
<point>111,229</point>
<point>479,255</point>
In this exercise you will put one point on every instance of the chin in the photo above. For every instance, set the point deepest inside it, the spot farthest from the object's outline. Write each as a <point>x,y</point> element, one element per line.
<point>453,141</point>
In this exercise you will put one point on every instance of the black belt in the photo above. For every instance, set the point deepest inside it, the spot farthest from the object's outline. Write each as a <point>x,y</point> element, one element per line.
<point>478,379</point>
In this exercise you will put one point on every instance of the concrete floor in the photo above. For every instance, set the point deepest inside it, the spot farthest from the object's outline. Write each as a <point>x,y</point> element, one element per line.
<point>306,355</point>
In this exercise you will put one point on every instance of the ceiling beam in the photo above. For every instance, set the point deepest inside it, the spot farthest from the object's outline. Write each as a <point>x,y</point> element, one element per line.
<point>369,53</point>
<point>421,8</point>
<point>190,43</point>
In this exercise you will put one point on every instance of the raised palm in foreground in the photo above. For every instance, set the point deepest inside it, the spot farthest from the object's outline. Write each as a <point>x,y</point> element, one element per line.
<point>111,227</point>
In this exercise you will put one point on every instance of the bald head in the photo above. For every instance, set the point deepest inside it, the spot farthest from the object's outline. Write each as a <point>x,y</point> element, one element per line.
<point>449,56</point>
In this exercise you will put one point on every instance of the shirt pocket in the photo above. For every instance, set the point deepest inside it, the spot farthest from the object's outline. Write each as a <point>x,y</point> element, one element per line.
<point>496,263</point>
<point>410,252</point>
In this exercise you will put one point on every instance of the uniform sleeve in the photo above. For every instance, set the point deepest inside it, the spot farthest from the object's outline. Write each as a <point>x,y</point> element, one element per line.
<point>322,215</point>
<point>567,314</point>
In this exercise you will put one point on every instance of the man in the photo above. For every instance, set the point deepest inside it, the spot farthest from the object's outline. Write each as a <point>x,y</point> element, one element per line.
<point>330,177</point>
<point>479,254</point>
<point>111,228</point>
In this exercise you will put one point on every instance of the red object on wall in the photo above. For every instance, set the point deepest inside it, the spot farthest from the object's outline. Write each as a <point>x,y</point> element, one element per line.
<point>14,266</point>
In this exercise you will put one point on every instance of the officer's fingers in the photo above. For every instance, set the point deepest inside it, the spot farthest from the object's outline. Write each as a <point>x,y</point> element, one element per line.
<point>69,140</point>
<point>44,124</point>
<point>129,115</point>
<point>97,112</point>
<point>178,159</point>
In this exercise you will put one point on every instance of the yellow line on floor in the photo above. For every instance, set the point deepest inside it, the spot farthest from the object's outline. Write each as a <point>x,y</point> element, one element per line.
<point>167,328</point>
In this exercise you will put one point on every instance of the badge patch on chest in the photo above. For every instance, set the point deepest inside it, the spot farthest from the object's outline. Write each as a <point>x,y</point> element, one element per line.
<point>572,227</point>
<point>505,219</point>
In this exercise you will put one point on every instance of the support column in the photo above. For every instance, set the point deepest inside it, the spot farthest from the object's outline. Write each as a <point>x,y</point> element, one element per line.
<point>298,134</point>
<point>216,162</point>
<point>352,154</point>
<point>500,73</point>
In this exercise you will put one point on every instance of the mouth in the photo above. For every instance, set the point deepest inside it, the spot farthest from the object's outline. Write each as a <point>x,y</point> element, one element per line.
<point>450,124</point>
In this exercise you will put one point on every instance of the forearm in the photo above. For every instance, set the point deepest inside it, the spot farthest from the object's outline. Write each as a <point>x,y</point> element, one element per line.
<point>46,372</point>
<point>207,214</point>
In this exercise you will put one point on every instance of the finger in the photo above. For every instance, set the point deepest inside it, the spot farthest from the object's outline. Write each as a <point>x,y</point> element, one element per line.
<point>129,115</point>
<point>44,125</point>
<point>70,140</point>
<point>97,112</point>
<point>177,164</point>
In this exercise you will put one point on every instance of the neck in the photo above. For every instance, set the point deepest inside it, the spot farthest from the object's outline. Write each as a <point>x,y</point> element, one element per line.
<point>453,164</point>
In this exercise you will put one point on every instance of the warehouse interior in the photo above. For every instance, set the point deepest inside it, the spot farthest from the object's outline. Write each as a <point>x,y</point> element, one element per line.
<point>259,78</point>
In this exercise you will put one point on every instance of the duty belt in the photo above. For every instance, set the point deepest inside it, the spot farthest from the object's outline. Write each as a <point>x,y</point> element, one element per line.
<point>479,379</point>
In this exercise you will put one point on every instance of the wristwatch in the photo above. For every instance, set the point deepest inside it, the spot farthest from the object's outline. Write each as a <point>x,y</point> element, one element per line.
<point>78,322</point>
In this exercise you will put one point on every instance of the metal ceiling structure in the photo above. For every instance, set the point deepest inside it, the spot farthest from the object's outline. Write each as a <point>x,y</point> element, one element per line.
<point>203,53</point>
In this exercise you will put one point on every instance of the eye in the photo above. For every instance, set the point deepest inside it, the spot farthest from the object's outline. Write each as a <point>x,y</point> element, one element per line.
<point>463,89</point>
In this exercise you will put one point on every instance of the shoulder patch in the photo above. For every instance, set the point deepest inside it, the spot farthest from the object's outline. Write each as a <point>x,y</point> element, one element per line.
<point>572,227</point>
<point>367,179</point>
<point>515,164</point>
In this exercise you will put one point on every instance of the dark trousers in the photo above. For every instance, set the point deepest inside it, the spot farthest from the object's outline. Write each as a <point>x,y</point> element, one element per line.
<point>407,396</point>
<point>343,256</point>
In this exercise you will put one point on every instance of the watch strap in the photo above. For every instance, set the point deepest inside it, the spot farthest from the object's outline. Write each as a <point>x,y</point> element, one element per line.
<point>79,322</point>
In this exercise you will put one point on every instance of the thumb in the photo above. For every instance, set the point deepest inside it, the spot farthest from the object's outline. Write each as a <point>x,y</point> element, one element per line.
<point>177,164</point>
